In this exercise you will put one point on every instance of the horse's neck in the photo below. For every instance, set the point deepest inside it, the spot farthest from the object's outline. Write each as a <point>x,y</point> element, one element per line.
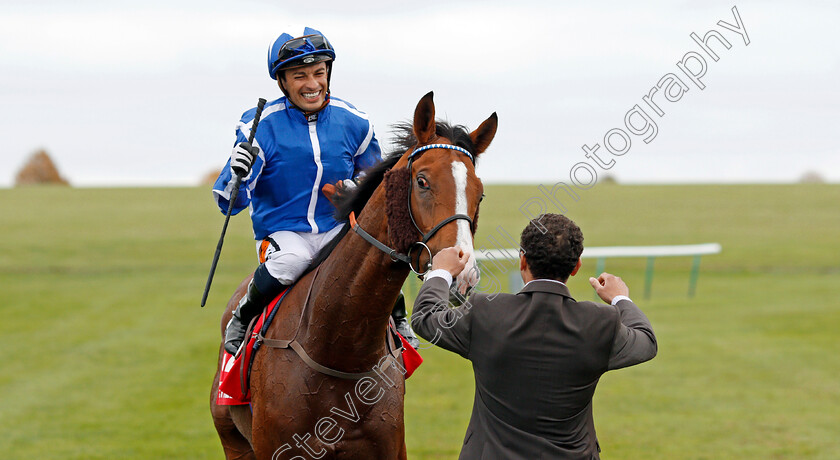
<point>353,296</point>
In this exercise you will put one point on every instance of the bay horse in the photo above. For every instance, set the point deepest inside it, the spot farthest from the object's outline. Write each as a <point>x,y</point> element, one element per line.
<point>339,312</point>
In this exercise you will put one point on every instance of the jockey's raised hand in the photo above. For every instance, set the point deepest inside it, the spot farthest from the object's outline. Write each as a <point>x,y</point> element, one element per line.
<point>242,158</point>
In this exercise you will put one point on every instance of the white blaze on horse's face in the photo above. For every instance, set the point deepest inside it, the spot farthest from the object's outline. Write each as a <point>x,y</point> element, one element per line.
<point>469,277</point>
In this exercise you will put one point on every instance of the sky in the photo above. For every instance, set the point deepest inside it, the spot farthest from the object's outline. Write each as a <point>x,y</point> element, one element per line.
<point>121,93</point>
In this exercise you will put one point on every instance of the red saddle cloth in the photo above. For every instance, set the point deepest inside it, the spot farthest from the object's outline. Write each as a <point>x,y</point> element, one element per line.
<point>230,378</point>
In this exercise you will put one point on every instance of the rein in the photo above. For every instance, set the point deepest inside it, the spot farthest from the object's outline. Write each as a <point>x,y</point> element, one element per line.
<point>425,237</point>
<point>395,256</point>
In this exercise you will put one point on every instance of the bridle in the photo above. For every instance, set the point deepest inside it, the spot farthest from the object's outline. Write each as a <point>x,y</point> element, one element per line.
<point>425,237</point>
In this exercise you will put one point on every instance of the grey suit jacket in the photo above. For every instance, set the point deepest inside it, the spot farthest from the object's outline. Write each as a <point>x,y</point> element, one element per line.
<point>537,356</point>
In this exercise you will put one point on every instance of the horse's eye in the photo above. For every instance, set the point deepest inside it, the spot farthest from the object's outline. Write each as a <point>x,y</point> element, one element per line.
<point>422,182</point>
<point>481,198</point>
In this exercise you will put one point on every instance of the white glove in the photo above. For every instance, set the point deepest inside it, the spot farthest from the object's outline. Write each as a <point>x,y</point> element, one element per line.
<point>242,158</point>
<point>350,184</point>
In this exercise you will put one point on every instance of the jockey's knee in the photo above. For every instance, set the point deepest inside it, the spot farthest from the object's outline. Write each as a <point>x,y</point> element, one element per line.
<point>287,267</point>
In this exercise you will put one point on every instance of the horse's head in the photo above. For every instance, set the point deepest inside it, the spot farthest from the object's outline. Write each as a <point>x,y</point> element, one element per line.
<point>433,194</point>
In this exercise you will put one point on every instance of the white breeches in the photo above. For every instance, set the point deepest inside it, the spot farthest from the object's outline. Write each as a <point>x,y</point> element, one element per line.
<point>287,254</point>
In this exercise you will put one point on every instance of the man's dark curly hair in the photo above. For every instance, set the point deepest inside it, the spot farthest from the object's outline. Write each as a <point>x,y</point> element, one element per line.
<point>552,244</point>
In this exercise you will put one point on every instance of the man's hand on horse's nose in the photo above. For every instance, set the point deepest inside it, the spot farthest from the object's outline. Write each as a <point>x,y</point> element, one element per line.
<point>451,259</point>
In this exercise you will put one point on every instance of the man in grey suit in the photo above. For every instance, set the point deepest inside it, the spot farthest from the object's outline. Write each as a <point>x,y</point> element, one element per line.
<point>537,355</point>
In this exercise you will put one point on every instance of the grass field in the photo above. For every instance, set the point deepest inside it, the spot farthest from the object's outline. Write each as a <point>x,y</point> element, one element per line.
<point>108,355</point>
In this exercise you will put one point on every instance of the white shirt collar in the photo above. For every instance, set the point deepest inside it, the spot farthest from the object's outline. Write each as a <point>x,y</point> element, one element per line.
<point>545,279</point>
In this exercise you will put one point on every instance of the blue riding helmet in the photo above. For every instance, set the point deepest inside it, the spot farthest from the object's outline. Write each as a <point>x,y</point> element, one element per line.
<point>288,51</point>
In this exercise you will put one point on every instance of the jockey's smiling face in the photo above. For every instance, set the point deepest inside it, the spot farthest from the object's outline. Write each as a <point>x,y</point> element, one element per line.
<point>306,86</point>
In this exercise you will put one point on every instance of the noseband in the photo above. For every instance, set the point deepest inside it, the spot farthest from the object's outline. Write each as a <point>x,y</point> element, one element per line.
<point>425,237</point>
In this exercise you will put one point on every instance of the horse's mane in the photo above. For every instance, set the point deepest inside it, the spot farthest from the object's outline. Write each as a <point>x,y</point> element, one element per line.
<point>347,201</point>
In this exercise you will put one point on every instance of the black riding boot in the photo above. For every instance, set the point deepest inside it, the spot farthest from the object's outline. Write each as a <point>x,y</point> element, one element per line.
<point>261,290</point>
<point>399,314</point>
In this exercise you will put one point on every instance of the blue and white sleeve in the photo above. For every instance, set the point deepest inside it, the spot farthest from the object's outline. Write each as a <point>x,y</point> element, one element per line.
<point>368,153</point>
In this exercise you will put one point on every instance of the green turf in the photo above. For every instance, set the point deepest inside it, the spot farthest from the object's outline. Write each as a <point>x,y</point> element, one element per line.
<point>107,354</point>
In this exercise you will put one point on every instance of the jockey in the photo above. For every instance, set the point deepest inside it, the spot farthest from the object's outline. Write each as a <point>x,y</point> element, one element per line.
<point>305,139</point>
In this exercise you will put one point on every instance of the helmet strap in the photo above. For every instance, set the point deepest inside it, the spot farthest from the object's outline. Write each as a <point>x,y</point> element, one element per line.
<point>329,75</point>
<point>280,84</point>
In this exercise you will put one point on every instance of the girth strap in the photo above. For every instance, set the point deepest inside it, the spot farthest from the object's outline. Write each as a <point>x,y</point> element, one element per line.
<point>296,346</point>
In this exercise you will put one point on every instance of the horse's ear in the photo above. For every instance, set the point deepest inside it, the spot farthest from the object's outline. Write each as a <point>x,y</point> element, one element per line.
<point>485,133</point>
<point>424,119</point>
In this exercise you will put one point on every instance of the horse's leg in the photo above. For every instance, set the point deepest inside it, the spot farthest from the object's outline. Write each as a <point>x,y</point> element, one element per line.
<point>236,446</point>
<point>242,418</point>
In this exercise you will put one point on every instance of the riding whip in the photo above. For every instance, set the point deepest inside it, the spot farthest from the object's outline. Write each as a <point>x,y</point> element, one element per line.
<point>236,182</point>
